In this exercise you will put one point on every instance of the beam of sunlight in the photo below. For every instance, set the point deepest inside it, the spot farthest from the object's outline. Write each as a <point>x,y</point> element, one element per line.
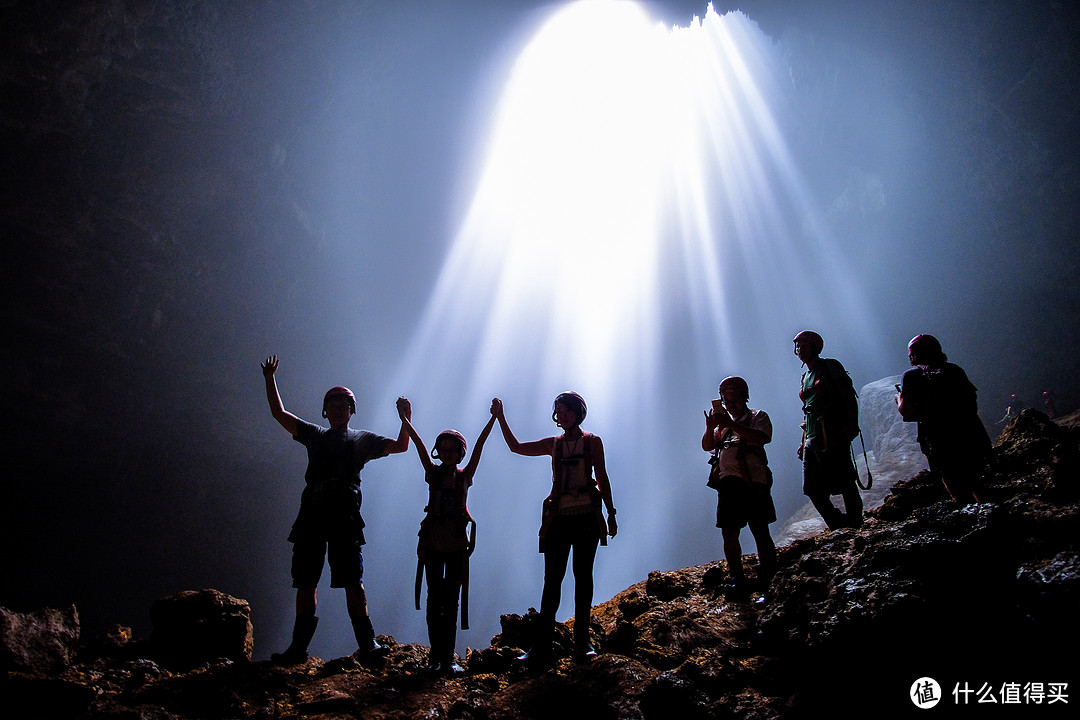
<point>640,229</point>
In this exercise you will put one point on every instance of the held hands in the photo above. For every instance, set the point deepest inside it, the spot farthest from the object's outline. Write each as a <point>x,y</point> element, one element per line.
<point>269,367</point>
<point>404,408</point>
<point>497,408</point>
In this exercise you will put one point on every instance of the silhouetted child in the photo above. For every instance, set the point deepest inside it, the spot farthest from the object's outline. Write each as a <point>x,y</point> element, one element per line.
<point>445,541</point>
<point>572,519</point>
<point>329,521</point>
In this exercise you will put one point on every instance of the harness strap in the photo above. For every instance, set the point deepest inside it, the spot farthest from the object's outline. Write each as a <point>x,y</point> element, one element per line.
<point>465,576</point>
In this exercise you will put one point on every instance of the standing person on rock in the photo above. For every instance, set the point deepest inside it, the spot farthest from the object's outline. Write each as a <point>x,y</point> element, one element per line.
<point>445,542</point>
<point>329,524</point>
<point>573,519</point>
<point>830,423</point>
<point>736,436</point>
<point>938,396</point>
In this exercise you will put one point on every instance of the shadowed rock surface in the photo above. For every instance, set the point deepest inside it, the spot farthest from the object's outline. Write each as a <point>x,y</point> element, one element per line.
<point>980,594</point>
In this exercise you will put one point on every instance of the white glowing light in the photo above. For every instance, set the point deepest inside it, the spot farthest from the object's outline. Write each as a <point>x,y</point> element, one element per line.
<point>637,233</point>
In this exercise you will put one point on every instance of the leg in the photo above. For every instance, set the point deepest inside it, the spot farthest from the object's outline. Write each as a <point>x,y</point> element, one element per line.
<point>733,553</point>
<point>455,566</point>
<point>766,550</point>
<point>584,557</point>
<point>556,555</point>
<point>306,601</point>
<point>307,563</point>
<point>853,505</point>
<point>829,512</point>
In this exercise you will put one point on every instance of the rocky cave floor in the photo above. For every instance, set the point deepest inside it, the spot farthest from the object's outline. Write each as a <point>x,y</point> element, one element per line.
<point>984,595</point>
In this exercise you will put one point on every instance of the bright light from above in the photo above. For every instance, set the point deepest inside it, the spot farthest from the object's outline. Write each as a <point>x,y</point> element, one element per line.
<point>639,231</point>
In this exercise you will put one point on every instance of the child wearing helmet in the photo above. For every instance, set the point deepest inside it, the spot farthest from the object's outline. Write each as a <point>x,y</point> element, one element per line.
<point>445,541</point>
<point>573,520</point>
<point>736,436</point>
<point>329,523</point>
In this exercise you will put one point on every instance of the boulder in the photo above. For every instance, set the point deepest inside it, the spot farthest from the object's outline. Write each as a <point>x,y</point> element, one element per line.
<point>200,625</point>
<point>884,430</point>
<point>42,641</point>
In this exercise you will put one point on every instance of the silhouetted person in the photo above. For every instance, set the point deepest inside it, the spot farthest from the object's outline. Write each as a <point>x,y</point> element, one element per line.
<point>329,522</point>
<point>1049,406</point>
<point>938,396</point>
<point>573,519</point>
<point>445,542</point>
<point>829,469</point>
<point>737,435</point>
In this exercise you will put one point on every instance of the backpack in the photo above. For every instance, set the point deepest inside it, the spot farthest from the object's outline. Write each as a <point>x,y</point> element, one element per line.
<point>845,422</point>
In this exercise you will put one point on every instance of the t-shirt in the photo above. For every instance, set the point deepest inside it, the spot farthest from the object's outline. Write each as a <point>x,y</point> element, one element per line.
<point>730,444</point>
<point>330,503</point>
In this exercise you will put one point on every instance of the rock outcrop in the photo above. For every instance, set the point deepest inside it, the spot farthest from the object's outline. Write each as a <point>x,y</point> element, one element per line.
<point>38,642</point>
<point>982,596</point>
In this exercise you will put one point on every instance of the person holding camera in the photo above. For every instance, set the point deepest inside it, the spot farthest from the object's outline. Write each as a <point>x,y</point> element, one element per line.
<point>736,436</point>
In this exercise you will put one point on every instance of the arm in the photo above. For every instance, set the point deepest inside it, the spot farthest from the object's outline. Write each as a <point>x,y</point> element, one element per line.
<point>404,412</point>
<point>286,419</point>
<point>402,443</point>
<point>474,461</point>
<point>708,439</point>
<point>536,448</point>
<point>909,409</point>
<point>907,404</point>
<point>602,481</point>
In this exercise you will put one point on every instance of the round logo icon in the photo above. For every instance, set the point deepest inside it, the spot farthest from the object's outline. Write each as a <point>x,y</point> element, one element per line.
<point>925,693</point>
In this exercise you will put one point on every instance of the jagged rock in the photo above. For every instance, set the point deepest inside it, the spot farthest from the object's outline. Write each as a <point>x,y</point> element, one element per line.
<point>201,625</point>
<point>42,641</point>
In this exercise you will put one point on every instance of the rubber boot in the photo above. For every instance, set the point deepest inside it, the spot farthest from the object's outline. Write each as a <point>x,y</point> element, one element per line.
<point>367,646</point>
<point>446,652</point>
<point>303,631</point>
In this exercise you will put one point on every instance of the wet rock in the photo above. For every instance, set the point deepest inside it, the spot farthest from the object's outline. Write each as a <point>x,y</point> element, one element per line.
<point>42,641</point>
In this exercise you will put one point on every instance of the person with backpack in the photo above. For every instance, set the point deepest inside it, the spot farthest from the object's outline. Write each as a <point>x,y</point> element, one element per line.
<point>572,520</point>
<point>830,423</point>
<point>938,396</point>
<point>736,436</point>
<point>329,525</point>
<point>445,541</point>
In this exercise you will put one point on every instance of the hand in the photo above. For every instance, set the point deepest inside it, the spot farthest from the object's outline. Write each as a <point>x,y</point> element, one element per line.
<point>404,408</point>
<point>496,408</point>
<point>799,452</point>
<point>710,419</point>
<point>270,366</point>
<point>612,526</point>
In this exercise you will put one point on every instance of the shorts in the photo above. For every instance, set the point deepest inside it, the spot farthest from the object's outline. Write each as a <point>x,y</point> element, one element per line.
<point>739,502</point>
<point>828,472</point>
<point>346,562</point>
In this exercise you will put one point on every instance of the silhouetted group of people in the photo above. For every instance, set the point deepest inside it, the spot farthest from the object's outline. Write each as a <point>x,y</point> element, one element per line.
<point>329,527</point>
<point>934,393</point>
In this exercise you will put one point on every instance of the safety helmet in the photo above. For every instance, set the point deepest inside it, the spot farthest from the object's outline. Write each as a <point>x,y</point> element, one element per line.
<point>926,349</point>
<point>811,339</point>
<point>454,435</point>
<point>738,384</point>
<point>573,401</point>
<point>339,391</point>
